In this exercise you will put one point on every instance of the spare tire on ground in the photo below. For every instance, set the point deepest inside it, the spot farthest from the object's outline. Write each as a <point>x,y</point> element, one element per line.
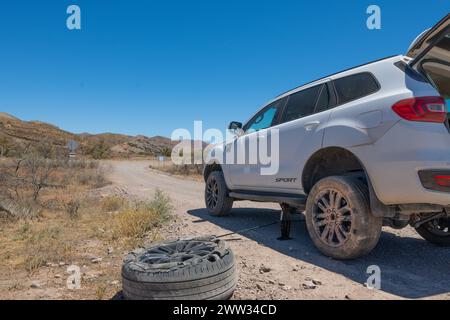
<point>187,269</point>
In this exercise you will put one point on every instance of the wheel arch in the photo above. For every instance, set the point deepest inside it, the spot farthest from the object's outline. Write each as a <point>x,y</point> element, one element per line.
<point>328,162</point>
<point>335,161</point>
<point>210,168</point>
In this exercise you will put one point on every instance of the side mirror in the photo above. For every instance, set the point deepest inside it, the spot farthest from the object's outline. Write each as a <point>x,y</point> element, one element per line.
<point>235,126</point>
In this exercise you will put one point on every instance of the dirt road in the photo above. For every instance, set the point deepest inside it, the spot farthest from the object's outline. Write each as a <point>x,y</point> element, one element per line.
<point>272,269</point>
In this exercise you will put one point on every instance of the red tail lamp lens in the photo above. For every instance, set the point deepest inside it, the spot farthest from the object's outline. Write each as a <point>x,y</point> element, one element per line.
<point>443,181</point>
<point>423,109</point>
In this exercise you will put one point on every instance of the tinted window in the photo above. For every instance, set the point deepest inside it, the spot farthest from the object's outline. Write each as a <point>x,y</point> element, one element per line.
<point>355,87</point>
<point>301,104</point>
<point>264,119</point>
<point>326,100</point>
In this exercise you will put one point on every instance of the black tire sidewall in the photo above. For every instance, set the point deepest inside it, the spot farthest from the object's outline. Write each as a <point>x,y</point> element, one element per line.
<point>224,202</point>
<point>201,280</point>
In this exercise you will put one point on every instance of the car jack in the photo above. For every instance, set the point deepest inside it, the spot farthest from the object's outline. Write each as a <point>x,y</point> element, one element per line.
<point>286,221</point>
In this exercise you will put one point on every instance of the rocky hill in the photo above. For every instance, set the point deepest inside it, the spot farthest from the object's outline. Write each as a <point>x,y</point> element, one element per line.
<point>15,133</point>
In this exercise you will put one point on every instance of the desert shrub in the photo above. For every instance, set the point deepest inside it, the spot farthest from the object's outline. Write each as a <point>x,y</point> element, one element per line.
<point>99,179</point>
<point>6,146</point>
<point>83,178</point>
<point>26,177</point>
<point>100,291</point>
<point>112,204</point>
<point>29,183</point>
<point>99,150</point>
<point>166,152</point>
<point>161,203</point>
<point>82,164</point>
<point>72,208</point>
<point>45,149</point>
<point>93,178</point>
<point>185,169</point>
<point>136,220</point>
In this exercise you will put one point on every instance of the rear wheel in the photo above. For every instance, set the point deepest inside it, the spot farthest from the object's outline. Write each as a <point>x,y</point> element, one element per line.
<point>217,200</point>
<point>339,220</point>
<point>436,231</point>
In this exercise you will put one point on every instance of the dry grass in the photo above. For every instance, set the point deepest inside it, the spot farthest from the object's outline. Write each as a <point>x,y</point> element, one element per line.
<point>135,220</point>
<point>100,292</point>
<point>44,244</point>
<point>192,170</point>
<point>73,207</point>
<point>112,203</point>
<point>91,178</point>
<point>57,236</point>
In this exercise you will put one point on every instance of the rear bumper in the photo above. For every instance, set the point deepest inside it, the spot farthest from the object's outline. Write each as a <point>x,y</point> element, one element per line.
<point>394,164</point>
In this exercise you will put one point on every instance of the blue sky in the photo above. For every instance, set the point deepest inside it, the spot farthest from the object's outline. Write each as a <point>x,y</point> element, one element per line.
<point>149,67</point>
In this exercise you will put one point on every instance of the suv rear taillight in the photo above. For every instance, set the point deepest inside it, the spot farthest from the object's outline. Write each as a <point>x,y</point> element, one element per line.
<point>424,109</point>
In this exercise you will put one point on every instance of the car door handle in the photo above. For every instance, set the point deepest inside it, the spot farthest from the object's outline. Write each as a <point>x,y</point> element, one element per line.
<point>312,125</point>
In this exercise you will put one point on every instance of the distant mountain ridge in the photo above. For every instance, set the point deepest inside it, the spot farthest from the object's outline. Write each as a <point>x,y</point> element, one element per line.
<point>16,131</point>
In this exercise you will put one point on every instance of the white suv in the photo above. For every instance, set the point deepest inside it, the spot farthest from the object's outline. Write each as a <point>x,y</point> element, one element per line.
<point>360,149</point>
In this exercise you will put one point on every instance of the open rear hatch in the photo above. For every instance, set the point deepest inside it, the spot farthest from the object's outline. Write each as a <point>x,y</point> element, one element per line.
<point>431,56</point>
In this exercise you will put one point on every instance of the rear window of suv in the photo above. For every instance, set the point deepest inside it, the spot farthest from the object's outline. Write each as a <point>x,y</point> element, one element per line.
<point>355,86</point>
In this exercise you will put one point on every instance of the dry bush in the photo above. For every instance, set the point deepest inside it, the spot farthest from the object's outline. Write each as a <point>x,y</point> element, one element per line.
<point>99,150</point>
<point>27,183</point>
<point>136,220</point>
<point>161,203</point>
<point>73,207</point>
<point>93,178</point>
<point>27,176</point>
<point>112,203</point>
<point>188,169</point>
<point>100,291</point>
<point>182,170</point>
<point>6,146</point>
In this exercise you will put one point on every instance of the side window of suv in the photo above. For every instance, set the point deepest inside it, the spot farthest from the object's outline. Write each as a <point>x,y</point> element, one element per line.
<point>355,86</point>
<point>265,118</point>
<point>301,104</point>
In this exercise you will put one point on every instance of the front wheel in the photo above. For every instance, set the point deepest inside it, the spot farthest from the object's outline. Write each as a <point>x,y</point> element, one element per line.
<point>217,201</point>
<point>339,219</point>
<point>436,231</point>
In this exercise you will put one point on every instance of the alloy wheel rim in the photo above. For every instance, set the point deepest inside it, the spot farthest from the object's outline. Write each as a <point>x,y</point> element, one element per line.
<point>332,218</point>
<point>178,253</point>
<point>212,193</point>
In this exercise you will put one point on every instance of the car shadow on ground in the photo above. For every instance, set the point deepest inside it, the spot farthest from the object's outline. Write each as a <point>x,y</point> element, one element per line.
<point>410,267</point>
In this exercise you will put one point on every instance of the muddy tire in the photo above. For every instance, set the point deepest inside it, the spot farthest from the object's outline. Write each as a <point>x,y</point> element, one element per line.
<point>339,220</point>
<point>217,201</point>
<point>436,232</point>
<point>191,269</point>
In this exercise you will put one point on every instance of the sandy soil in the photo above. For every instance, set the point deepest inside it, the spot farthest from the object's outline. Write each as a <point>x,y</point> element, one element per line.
<point>411,268</point>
